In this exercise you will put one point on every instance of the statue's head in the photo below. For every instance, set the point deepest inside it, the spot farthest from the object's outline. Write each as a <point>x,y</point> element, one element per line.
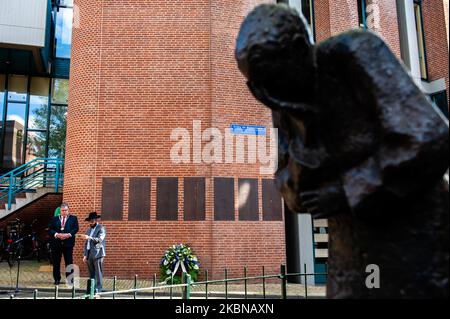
<point>274,51</point>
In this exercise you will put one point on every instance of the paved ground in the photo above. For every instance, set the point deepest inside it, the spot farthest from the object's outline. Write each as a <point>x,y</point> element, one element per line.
<point>34,275</point>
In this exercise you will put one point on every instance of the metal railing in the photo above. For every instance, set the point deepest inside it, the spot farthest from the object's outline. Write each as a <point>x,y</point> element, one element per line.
<point>40,172</point>
<point>187,286</point>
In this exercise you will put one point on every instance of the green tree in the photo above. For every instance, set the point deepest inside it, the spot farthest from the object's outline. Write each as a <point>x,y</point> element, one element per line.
<point>58,126</point>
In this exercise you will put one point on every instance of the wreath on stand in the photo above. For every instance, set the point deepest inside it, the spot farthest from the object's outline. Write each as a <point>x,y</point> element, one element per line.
<point>177,260</point>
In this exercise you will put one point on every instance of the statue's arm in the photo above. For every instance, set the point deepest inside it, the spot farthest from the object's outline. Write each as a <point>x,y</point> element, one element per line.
<point>412,147</point>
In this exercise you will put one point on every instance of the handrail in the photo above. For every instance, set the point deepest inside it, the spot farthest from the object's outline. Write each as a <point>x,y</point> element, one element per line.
<point>31,175</point>
<point>22,166</point>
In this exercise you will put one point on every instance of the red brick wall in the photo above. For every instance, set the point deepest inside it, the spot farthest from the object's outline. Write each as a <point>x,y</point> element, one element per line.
<point>322,19</point>
<point>436,40</point>
<point>41,209</point>
<point>343,15</point>
<point>334,17</point>
<point>257,243</point>
<point>387,27</point>
<point>139,69</point>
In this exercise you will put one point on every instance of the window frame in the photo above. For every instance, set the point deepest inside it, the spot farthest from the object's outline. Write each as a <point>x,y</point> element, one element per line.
<point>433,97</point>
<point>27,103</point>
<point>312,26</point>
<point>362,14</point>
<point>425,76</point>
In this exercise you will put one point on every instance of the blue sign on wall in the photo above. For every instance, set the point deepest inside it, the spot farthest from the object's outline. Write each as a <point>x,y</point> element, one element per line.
<point>248,129</point>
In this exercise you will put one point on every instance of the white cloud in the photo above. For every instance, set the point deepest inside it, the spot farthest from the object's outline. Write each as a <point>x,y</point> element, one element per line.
<point>16,118</point>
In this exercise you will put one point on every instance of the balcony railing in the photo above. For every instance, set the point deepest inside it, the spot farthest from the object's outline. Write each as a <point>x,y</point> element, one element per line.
<point>40,172</point>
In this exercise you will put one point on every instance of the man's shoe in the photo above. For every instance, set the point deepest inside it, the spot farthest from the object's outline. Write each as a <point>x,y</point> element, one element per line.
<point>57,282</point>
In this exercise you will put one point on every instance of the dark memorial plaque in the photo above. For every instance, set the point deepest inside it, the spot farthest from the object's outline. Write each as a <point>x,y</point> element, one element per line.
<point>194,198</point>
<point>248,199</point>
<point>271,199</point>
<point>167,198</point>
<point>223,199</point>
<point>139,199</point>
<point>112,198</point>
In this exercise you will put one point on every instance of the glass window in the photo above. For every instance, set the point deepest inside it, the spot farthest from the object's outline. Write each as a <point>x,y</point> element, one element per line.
<point>66,3</point>
<point>2,98</point>
<point>13,144</point>
<point>307,8</point>
<point>17,88</point>
<point>308,12</point>
<point>39,86</point>
<point>362,14</point>
<point>16,113</point>
<point>2,82</point>
<point>14,130</point>
<point>63,32</point>
<point>38,103</point>
<point>60,91</point>
<point>420,39</point>
<point>440,99</point>
<point>36,142</point>
<point>1,117</point>
<point>58,125</point>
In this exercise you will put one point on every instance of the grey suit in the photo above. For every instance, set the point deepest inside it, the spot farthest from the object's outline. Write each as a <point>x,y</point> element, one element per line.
<point>94,251</point>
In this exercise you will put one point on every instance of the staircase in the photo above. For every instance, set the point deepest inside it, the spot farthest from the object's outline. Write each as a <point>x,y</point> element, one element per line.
<point>29,182</point>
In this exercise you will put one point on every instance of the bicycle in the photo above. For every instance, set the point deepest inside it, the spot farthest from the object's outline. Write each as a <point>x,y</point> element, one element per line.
<point>2,244</point>
<point>33,245</point>
<point>15,250</point>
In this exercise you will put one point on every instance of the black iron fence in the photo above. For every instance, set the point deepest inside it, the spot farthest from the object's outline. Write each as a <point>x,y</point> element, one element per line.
<point>268,286</point>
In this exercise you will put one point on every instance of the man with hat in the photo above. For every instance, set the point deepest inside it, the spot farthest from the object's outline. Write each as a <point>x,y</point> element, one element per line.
<point>94,249</point>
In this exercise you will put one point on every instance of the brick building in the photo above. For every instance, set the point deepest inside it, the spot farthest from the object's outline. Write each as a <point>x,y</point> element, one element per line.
<point>138,73</point>
<point>140,70</point>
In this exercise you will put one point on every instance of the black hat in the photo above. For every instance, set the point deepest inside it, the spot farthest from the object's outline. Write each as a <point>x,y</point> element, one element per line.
<point>92,216</point>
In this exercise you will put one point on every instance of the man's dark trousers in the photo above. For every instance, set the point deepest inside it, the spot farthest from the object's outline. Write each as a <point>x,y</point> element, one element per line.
<point>58,251</point>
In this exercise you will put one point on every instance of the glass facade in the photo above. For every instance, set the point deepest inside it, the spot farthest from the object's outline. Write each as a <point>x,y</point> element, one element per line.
<point>33,107</point>
<point>63,32</point>
<point>35,119</point>
<point>2,100</point>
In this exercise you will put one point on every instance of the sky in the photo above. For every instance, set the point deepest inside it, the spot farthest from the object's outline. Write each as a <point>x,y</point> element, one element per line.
<point>64,32</point>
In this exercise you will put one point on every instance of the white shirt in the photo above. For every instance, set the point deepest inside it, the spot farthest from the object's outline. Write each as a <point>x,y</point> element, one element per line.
<point>90,235</point>
<point>65,222</point>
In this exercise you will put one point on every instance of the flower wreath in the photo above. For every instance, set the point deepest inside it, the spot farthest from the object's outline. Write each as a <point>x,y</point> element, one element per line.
<point>179,257</point>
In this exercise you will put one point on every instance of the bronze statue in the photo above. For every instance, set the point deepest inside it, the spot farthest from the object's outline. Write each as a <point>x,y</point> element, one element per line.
<point>359,144</point>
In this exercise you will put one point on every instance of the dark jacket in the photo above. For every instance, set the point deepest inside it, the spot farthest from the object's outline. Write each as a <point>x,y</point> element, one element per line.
<point>71,227</point>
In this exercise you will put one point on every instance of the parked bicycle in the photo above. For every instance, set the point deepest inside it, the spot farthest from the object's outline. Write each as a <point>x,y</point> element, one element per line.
<point>25,246</point>
<point>2,243</point>
<point>15,250</point>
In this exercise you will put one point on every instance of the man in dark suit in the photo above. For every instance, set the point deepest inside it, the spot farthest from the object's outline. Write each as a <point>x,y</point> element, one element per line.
<point>62,230</point>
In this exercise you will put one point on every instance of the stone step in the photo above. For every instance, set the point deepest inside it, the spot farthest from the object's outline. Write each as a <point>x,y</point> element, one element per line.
<point>24,199</point>
<point>21,201</point>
